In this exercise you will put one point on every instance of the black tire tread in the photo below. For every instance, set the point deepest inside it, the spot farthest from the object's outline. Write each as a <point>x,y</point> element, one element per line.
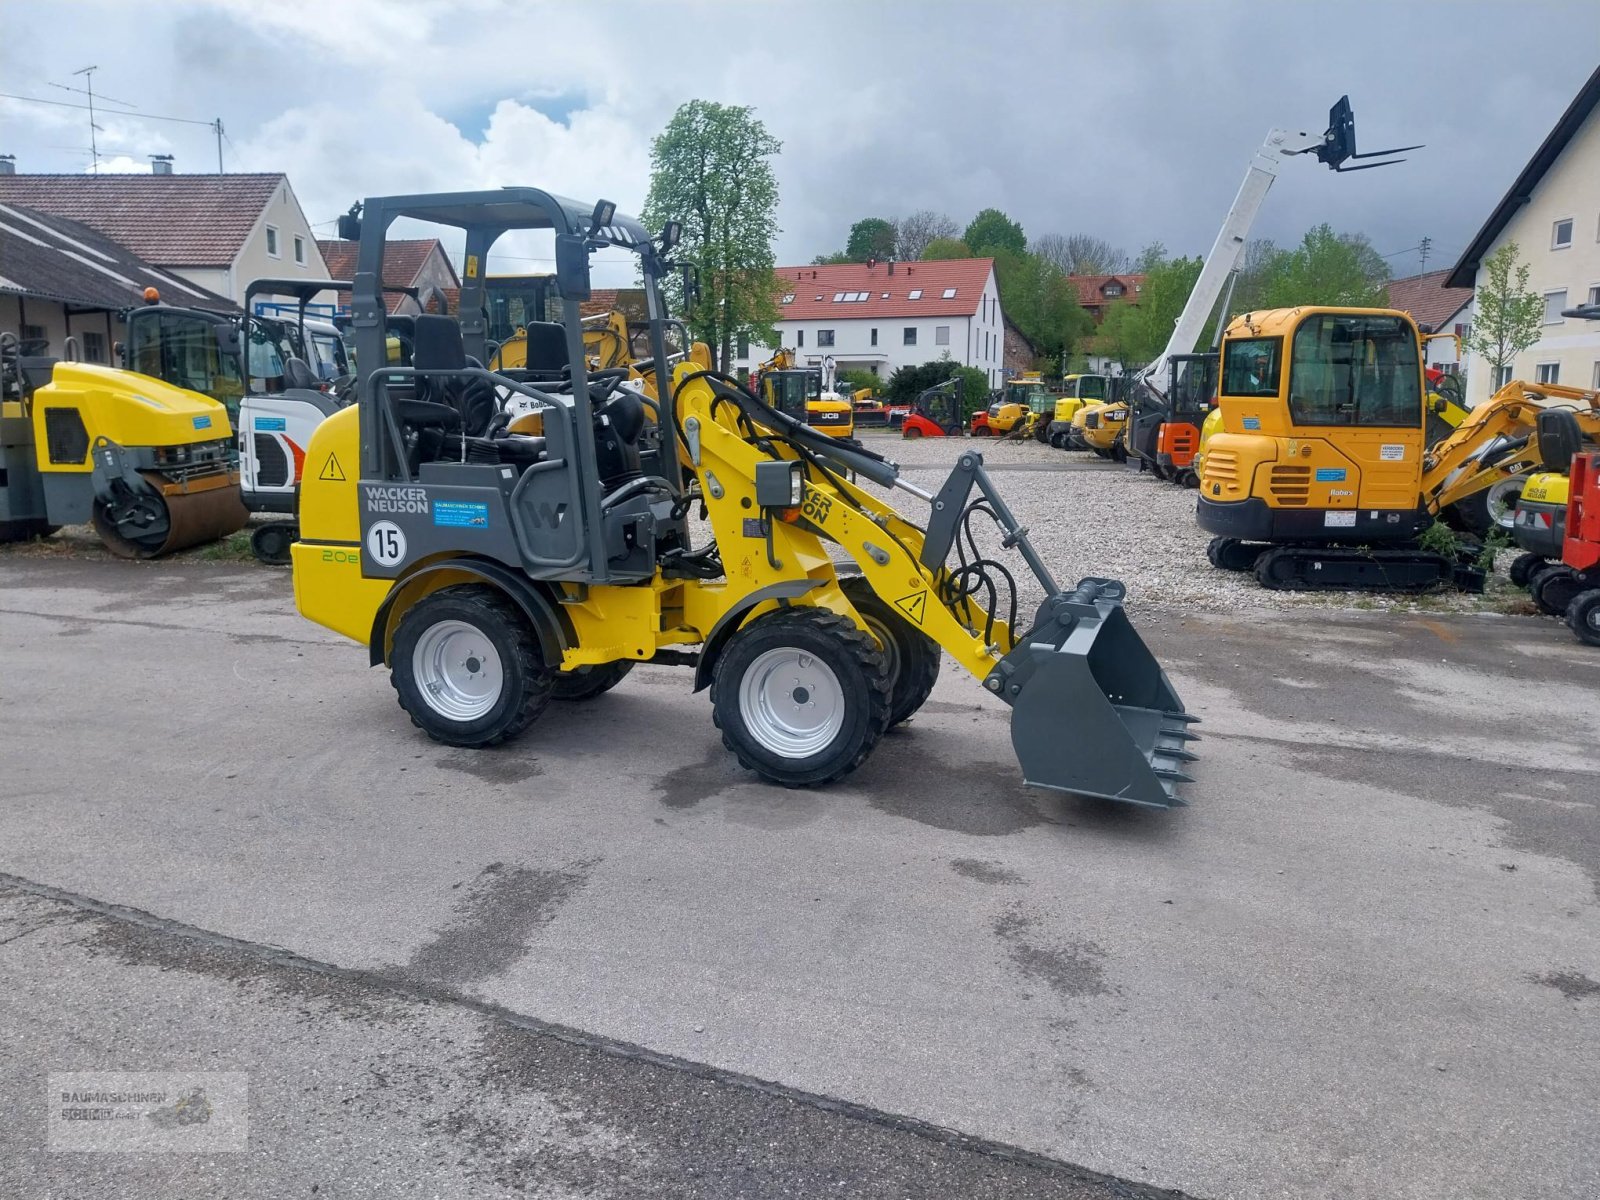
<point>586,684</point>
<point>862,648</point>
<point>919,671</point>
<point>1578,616</point>
<point>538,680</point>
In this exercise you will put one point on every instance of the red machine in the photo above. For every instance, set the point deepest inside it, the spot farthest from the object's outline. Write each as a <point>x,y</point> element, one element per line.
<point>1580,552</point>
<point>937,412</point>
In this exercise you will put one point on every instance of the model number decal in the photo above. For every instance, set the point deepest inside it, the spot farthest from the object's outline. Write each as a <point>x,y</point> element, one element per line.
<point>814,505</point>
<point>1330,474</point>
<point>352,557</point>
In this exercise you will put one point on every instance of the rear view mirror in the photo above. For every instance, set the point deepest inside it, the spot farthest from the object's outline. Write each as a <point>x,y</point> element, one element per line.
<point>227,340</point>
<point>572,266</point>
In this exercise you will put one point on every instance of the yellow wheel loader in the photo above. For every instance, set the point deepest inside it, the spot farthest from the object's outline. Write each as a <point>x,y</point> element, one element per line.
<point>149,465</point>
<point>1321,477</point>
<point>1077,392</point>
<point>491,572</point>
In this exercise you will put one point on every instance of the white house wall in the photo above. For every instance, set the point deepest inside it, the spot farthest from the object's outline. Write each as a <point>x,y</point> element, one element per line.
<point>975,340</point>
<point>283,213</point>
<point>1568,190</point>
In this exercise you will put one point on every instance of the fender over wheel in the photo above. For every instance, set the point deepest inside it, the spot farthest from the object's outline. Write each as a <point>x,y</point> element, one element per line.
<point>466,667</point>
<point>801,696</point>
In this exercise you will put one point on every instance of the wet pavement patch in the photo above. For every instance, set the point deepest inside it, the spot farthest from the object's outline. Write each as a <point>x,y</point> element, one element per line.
<point>491,766</point>
<point>1551,813</point>
<point>1572,984</point>
<point>688,785</point>
<point>984,872</point>
<point>496,920</point>
<point>985,799</point>
<point>1072,970</point>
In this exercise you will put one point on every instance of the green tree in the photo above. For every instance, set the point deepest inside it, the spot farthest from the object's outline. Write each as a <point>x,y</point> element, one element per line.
<point>992,230</point>
<point>1038,298</point>
<point>1151,257</point>
<point>854,379</point>
<point>907,383</point>
<point>831,260</point>
<point>946,247</point>
<point>1325,269</point>
<point>871,237</point>
<point>1506,316</point>
<point>1120,335</point>
<point>711,169</point>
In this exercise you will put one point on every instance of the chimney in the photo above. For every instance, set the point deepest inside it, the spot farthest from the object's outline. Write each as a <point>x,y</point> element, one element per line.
<point>161,164</point>
<point>891,266</point>
<point>8,164</point>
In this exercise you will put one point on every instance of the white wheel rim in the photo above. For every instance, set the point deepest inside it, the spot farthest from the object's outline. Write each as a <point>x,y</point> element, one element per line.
<point>457,670</point>
<point>1502,502</point>
<point>791,703</point>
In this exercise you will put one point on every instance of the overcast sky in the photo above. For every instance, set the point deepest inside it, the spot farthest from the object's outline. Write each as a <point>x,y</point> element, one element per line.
<point>1132,121</point>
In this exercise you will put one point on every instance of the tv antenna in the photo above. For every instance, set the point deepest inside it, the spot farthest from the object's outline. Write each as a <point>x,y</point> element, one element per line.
<point>88,90</point>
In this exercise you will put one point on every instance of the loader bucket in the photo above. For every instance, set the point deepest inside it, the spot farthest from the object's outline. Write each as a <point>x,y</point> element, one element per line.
<point>1092,712</point>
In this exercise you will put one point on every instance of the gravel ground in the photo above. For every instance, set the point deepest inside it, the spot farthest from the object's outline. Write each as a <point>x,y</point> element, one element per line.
<point>1087,516</point>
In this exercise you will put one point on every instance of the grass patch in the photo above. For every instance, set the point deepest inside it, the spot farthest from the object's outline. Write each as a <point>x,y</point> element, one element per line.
<point>235,548</point>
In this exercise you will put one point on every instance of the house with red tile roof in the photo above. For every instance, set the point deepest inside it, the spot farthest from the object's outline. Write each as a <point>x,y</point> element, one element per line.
<point>218,232</point>
<point>1435,308</point>
<point>1096,293</point>
<point>880,315</point>
<point>418,263</point>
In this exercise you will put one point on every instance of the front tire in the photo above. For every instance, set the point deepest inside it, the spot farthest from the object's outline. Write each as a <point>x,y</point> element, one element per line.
<point>467,669</point>
<point>910,432</point>
<point>801,696</point>
<point>910,656</point>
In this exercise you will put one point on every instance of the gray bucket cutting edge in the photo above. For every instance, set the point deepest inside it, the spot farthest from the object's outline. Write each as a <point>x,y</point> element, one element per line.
<point>1093,713</point>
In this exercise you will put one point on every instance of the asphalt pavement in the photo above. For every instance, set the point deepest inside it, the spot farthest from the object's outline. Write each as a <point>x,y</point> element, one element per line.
<point>604,961</point>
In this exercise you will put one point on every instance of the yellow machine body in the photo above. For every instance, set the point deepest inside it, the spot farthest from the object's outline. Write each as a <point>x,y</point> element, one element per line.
<point>122,407</point>
<point>1270,477</point>
<point>1102,425</point>
<point>615,622</point>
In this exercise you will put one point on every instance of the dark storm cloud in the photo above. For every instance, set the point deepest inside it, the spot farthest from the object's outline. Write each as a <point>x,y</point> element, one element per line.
<point>1131,121</point>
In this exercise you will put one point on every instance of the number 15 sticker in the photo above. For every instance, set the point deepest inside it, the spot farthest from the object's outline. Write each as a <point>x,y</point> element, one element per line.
<point>386,543</point>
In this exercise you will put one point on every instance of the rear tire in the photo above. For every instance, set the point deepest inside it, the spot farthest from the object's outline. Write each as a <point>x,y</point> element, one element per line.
<point>585,683</point>
<point>910,656</point>
<point>1583,616</point>
<point>467,667</point>
<point>801,696</point>
<point>983,431</point>
<point>1555,589</point>
<point>1495,507</point>
<point>1523,567</point>
<point>910,432</point>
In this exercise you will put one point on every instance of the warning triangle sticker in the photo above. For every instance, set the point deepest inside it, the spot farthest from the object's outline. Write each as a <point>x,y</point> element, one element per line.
<point>331,470</point>
<point>913,605</point>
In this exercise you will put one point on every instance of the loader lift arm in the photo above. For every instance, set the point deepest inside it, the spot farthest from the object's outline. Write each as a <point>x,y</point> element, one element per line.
<point>1497,440</point>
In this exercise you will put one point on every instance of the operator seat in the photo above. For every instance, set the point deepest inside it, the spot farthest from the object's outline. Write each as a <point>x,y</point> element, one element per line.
<point>547,349</point>
<point>438,347</point>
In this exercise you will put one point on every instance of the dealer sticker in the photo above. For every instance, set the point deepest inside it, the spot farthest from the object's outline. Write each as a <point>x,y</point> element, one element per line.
<point>1339,520</point>
<point>202,422</point>
<point>1392,453</point>
<point>461,514</point>
<point>271,424</point>
<point>1330,474</point>
<point>1252,422</point>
